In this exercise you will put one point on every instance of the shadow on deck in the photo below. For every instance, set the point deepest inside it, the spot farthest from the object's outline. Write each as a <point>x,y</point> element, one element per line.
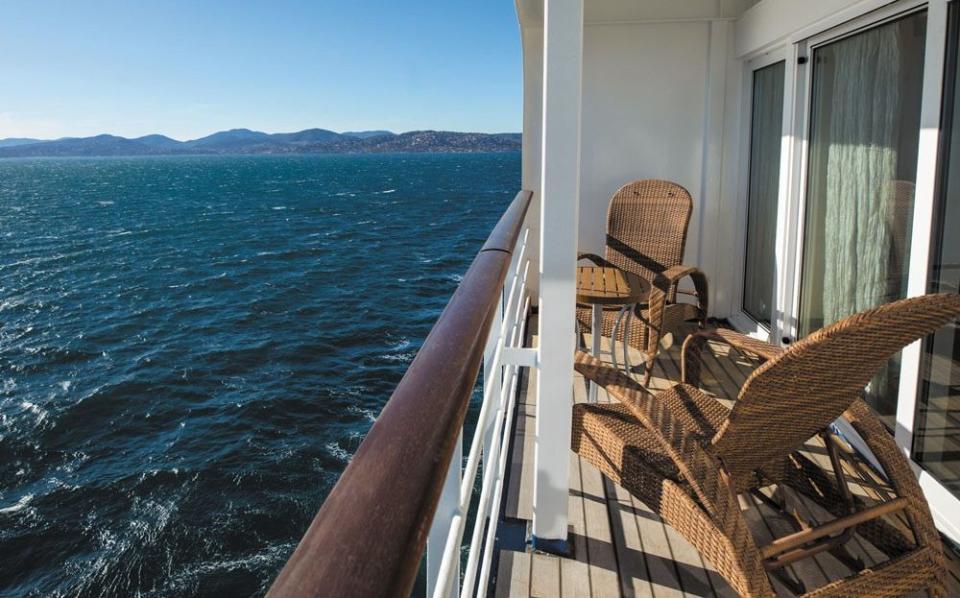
<point>621,547</point>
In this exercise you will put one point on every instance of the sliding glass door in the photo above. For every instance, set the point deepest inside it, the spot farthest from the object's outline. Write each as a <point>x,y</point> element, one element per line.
<point>936,435</point>
<point>868,210</point>
<point>864,128</point>
<point>766,133</point>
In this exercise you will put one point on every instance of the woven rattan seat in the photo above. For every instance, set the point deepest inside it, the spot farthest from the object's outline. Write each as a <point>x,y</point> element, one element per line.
<point>647,225</point>
<point>688,458</point>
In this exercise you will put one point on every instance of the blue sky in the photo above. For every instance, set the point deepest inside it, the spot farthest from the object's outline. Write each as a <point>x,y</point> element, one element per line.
<point>189,68</point>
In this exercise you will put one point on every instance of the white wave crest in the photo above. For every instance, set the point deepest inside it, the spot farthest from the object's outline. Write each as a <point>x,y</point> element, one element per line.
<point>19,505</point>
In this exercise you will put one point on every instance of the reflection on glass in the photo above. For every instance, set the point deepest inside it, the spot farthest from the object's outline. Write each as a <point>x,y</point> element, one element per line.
<point>765,132</point>
<point>865,127</point>
<point>937,424</point>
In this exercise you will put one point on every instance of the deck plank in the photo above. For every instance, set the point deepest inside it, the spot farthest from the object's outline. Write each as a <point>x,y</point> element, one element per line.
<point>575,572</point>
<point>519,499</point>
<point>544,576</point>
<point>664,577</point>
<point>513,575</point>
<point>693,576</point>
<point>634,578</point>
<point>600,551</point>
<point>601,556</point>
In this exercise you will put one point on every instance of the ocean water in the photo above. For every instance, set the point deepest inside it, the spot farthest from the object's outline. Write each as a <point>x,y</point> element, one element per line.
<point>191,349</point>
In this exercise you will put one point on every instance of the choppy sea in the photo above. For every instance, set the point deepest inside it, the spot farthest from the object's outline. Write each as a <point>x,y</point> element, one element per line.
<point>191,348</point>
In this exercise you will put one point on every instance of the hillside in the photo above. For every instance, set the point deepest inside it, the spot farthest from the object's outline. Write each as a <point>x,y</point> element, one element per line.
<point>245,141</point>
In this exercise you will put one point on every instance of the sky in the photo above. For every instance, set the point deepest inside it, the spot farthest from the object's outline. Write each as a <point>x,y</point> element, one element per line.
<point>188,68</point>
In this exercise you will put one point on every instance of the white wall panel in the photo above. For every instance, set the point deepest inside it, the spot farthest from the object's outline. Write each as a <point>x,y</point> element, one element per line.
<point>644,109</point>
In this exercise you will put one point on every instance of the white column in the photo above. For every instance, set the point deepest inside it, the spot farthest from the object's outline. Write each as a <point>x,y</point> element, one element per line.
<point>560,200</point>
<point>532,139</point>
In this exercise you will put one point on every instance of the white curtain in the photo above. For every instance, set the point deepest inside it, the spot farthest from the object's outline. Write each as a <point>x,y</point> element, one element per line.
<point>862,140</point>
<point>861,164</point>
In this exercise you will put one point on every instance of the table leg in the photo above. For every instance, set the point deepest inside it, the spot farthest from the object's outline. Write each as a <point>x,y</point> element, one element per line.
<point>596,332</point>
<point>626,332</point>
<point>613,336</point>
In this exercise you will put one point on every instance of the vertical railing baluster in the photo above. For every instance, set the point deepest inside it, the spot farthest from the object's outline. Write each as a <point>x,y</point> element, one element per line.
<point>447,509</point>
<point>492,376</point>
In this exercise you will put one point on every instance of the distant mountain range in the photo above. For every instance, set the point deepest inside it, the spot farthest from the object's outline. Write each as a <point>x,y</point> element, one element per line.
<point>245,141</point>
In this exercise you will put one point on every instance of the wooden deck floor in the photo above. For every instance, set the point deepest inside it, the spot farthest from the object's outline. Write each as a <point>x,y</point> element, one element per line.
<point>621,547</point>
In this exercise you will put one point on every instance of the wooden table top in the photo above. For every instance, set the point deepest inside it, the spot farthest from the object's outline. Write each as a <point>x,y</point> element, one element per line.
<point>597,285</point>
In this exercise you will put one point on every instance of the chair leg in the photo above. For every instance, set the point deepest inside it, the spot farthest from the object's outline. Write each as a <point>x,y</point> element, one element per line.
<point>843,554</point>
<point>795,584</point>
<point>613,338</point>
<point>648,372</point>
<point>624,340</point>
<point>581,341</point>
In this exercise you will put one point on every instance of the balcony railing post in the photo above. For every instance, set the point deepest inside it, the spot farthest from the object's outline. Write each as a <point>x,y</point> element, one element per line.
<point>447,508</point>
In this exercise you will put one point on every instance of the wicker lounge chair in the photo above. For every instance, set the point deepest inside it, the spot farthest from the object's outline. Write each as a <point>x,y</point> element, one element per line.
<point>688,457</point>
<point>646,235</point>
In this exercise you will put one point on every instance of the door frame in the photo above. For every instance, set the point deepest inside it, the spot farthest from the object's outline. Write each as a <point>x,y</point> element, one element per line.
<point>743,321</point>
<point>943,503</point>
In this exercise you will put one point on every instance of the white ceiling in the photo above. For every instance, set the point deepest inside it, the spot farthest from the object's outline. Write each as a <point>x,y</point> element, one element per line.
<point>530,12</point>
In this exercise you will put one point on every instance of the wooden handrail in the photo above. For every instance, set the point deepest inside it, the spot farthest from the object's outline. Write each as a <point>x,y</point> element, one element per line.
<point>369,535</point>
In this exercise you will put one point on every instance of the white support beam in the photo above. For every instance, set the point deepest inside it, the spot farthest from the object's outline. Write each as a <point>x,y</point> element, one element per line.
<point>532,167</point>
<point>520,356</point>
<point>560,201</point>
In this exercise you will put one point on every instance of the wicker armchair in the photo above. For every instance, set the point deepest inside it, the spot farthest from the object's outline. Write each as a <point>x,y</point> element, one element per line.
<point>646,235</point>
<point>688,457</point>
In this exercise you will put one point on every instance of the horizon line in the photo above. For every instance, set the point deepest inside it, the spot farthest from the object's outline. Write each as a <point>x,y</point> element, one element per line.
<point>355,131</point>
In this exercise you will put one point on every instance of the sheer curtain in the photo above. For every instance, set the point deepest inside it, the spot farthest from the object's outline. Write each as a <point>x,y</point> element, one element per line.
<point>863,152</point>
<point>861,163</point>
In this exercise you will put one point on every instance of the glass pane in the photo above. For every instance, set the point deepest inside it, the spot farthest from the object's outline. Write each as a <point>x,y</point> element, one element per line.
<point>765,131</point>
<point>937,429</point>
<point>865,128</point>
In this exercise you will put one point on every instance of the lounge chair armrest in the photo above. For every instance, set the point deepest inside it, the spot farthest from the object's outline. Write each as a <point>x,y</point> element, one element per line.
<point>693,345</point>
<point>596,259</point>
<point>739,341</point>
<point>675,273</point>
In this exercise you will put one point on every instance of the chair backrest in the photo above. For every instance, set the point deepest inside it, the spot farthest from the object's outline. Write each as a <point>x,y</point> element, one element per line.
<point>790,398</point>
<point>647,226</point>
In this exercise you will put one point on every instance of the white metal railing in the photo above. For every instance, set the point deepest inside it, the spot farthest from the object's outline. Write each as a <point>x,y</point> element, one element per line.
<point>504,355</point>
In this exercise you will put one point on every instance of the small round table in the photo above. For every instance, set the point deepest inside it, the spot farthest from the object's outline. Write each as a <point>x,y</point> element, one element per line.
<point>600,286</point>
